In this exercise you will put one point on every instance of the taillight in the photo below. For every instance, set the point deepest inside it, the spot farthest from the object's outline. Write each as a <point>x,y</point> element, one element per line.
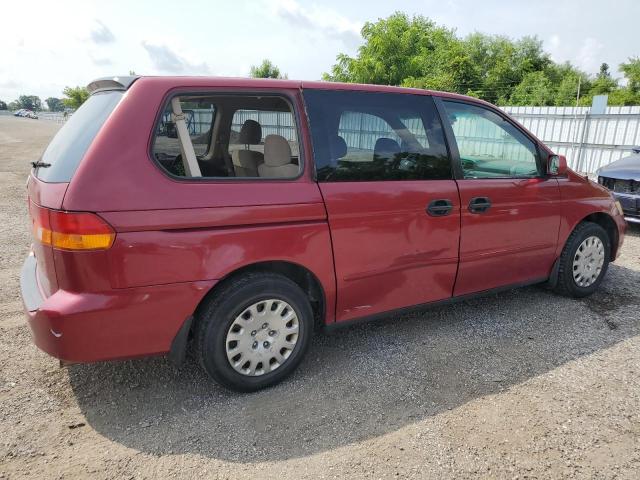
<point>71,230</point>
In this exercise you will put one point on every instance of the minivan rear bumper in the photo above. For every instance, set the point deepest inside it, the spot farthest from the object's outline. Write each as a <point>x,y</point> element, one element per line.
<point>118,324</point>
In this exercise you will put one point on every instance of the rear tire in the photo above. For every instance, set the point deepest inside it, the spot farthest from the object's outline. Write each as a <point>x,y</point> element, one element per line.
<point>584,261</point>
<point>254,331</point>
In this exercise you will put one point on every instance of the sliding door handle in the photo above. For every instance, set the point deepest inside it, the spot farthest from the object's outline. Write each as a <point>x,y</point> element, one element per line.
<point>479,204</point>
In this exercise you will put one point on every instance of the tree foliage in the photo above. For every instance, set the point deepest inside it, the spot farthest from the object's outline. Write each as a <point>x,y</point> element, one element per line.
<point>266,69</point>
<point>30,102</point>
<point>54,104</point>
<point>75,96</point>
<point>3,105</point>
<point>416,52</point>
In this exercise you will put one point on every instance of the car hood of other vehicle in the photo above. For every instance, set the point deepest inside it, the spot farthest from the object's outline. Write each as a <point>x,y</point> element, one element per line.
<point>627,168</point>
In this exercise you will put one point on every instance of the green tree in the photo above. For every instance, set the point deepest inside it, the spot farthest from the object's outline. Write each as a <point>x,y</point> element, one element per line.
<point>54,104</point>
<point>534,89</point>
<point>416,52</point>
<point>630,94</point>
<point>30,102</point>
<point>400,50</point>
<point>631,71</point>
<point>3,105</point>
<point>266,69</point>
<point>75,96</point>
<point>13,106</point>
<point>603,83</point>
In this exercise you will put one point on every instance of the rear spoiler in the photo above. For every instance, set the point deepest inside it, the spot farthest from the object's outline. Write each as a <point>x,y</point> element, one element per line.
<point>111,83</point>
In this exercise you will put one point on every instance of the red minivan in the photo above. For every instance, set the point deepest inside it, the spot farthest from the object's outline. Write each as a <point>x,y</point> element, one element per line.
<point>234,216</point>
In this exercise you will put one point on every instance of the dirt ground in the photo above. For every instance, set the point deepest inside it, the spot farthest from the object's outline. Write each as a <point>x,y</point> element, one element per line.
<point>525,384</point>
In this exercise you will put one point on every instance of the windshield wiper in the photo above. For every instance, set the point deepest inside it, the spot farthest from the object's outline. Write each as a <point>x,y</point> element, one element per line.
<point>40,164</point>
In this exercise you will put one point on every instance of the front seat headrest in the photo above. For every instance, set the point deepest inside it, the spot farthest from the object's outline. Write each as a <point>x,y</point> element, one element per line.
<point>386,148</point>
<point>250,133</point>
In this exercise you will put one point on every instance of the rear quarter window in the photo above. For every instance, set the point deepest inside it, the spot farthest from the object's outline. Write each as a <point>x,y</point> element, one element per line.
<point>68,147</point>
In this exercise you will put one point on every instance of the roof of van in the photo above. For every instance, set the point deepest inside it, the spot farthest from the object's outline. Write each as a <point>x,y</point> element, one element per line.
<point>124,82</point>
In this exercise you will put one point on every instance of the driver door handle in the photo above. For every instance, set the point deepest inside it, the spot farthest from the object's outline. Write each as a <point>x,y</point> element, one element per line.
<point>479,204</point>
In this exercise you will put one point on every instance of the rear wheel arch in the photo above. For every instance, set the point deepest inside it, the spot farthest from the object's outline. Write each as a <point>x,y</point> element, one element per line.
<point>300,275</point>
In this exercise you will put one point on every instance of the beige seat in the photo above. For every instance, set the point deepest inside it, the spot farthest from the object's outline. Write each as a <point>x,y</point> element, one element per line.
<point>246,161</point>
<point>277,159</point>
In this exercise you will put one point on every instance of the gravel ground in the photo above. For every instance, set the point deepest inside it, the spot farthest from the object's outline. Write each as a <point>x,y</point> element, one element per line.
<point>525,384</point>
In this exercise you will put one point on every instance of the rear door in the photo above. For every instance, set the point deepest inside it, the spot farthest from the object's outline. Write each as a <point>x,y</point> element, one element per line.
<point>510,208</point>
<point>385,175</point>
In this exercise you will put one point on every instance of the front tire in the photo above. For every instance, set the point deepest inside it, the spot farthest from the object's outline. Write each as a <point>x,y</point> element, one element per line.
<point>584,261</point>
<point>254,331</point>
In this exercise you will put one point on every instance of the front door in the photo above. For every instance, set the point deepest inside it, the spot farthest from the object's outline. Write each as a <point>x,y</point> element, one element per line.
<point>393,206</point>
<point>510,208</point>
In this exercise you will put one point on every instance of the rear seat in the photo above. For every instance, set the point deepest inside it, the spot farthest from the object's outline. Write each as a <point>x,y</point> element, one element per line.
<point>246,161</point>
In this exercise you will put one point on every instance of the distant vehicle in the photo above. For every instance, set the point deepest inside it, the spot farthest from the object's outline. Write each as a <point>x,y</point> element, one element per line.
<point>24,112</point>
<point>622,177</point>
<point>292,205</point>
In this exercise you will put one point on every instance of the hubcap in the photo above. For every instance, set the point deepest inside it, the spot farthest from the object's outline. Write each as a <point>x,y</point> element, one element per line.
<point>262,337</point>
<point>588,261</point>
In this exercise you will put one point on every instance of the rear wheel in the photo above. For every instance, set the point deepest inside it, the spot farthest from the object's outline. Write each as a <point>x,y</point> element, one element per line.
<point>584,260</point>
<point>254,331</point>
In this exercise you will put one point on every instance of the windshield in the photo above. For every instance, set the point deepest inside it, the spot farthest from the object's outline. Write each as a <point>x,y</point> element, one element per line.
<point>67,148</point>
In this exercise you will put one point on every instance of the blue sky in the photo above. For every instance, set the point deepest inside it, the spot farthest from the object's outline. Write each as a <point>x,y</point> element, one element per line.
<point>72,42</point>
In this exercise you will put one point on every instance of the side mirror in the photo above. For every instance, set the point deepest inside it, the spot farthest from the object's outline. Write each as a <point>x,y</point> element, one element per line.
<point>557,165</point>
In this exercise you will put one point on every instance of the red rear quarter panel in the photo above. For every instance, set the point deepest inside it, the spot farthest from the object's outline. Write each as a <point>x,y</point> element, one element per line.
<point>170,230</point>
<point>175,236</point>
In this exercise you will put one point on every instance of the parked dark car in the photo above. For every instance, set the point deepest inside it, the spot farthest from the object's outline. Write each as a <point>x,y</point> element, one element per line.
<point>622,177</point>
<point>278,206</point>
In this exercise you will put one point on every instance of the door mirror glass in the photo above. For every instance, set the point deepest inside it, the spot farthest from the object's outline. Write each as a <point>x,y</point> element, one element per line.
<point>557,165</point>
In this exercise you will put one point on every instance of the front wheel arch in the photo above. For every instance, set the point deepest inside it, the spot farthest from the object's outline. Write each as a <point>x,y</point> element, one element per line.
<point>605,221</point>
<point>561,279</point>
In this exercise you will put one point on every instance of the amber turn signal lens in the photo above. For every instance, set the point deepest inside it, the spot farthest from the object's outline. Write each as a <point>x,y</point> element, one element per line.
<point>71,230</point>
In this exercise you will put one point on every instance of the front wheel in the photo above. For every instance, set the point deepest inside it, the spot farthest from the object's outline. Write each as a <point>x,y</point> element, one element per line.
<point>254,331</point>
<point>584,261</point>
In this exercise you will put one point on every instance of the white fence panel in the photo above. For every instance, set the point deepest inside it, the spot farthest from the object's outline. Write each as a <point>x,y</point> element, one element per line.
<point>588,141</point>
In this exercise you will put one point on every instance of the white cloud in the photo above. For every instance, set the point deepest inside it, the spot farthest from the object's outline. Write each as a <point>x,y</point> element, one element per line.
<point>100,61</point>
<point>589,57</point>
<point>100,33</point>
<point>166,60</point>
<point>8,83</point>
<point>322,20</point>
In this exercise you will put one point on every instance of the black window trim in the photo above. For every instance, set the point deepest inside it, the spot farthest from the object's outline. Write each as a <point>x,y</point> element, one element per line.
<point>452,142</point>
<point>287,96</point>
<point>437,113</point>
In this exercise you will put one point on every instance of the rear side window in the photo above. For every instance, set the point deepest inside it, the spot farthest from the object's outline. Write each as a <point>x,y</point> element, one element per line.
<point>361,136</point>
<point>232,136</point>
<point>199,115</point>
<point>67,148</point>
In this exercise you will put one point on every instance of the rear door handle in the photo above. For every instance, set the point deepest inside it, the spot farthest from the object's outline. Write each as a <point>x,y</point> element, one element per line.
<point>479,204</point>
<point>440,208</point>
